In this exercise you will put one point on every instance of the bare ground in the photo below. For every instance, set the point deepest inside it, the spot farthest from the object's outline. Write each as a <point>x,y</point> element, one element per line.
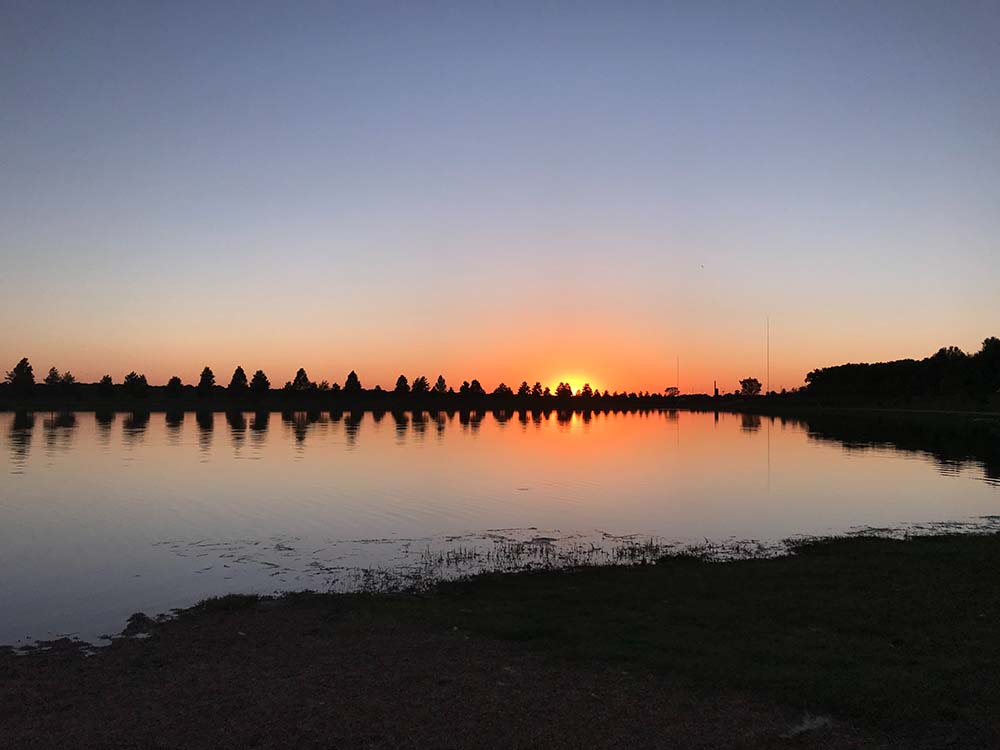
<point>290,673</point>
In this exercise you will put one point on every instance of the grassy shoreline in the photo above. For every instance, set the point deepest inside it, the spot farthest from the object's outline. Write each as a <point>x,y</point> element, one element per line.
<point>897,641</point>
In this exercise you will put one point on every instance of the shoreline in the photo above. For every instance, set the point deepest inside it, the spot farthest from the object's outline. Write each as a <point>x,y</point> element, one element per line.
<point>774,405</point>
<point>460,559</point>
<point>891,641</point>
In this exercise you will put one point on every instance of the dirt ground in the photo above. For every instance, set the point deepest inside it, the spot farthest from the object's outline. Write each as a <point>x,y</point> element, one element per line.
<point>292,674</point>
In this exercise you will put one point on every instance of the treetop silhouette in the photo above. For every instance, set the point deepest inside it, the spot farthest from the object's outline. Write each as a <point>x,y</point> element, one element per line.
<point>238,384</point>
<point>301,381</point>
<point>352,384</point>
<point>135,384</point>
<point>22,376</point>
<point>259,384</point>
<point>207,381</point>
<point>749,387</point>
<point>174,387</point>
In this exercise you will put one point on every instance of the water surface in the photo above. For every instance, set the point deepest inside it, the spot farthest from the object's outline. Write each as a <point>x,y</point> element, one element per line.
<point>104,515</point>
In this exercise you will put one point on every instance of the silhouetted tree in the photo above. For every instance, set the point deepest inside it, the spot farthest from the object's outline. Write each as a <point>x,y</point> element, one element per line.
<point>302,381</point>
<point>238,385</point>
<point>749,387</point>
<point>671,391</point>
<point>53,378</point>
<point>536,390</point>
<point>335,388</point>
<point>67,384</point>
<point>259,384</point>
<point>475,389</point>
<point>440,386</point>
<point>503,390</point>
<point>586,391</point>
<point>324,386</point>
<point>135,384</point>
<point>464,388</point>
<point>207,382</point>
<point>352,384</point>
<point>106,386</point>
<point>564,390</point>
<point>420,386</point>
<point>523,390</point>
<point>22,377</point>
<point>949,375</point>
<point>174,387</point>
<point>546,392</point>
<point>402,385</point>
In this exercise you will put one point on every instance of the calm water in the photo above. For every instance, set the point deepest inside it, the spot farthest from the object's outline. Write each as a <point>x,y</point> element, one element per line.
<point>102,516</point>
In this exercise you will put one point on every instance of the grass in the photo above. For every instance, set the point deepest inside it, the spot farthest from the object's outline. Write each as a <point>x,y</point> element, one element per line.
<point>893,634</point>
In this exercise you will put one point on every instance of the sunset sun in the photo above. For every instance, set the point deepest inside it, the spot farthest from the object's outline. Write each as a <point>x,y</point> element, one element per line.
<point>576,381</point>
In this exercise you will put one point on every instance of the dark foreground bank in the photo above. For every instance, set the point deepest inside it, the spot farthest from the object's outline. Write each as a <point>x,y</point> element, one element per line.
<point>850,643</point>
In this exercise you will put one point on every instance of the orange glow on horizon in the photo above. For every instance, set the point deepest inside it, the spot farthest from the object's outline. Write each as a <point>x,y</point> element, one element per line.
<point>576,382</point>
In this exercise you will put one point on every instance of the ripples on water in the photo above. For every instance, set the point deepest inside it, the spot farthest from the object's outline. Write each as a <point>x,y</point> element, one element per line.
<point>105,514</point>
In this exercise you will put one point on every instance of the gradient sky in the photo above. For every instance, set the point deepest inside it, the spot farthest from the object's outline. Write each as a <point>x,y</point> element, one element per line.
<point>505,191</point>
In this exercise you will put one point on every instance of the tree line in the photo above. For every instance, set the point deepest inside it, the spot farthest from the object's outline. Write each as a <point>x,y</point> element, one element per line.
<point>948,375</point>
<point>20,380</point>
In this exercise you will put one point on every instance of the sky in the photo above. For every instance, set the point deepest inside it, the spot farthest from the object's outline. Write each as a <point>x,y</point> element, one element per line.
<point>501,191</point>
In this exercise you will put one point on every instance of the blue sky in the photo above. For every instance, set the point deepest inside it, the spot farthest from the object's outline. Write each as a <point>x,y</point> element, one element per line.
<point>497,190</point>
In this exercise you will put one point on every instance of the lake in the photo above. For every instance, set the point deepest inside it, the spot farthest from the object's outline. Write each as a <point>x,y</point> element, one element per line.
<point>103,515</point>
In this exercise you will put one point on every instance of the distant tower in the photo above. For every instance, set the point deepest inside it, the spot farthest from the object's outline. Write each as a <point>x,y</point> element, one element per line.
<point>767,378</point>
<point>715,387</point>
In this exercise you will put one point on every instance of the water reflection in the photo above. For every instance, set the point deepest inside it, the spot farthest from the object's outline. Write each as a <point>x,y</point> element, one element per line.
<point>134,427</point>
<point>352,426</point>
<point>206,427</point>
<point>440,421</point>
<point>19,438</point>
<point>300,422</point>
<point>419,424</point>
<point>237,428</point>
<point>954,444</point>
<point>402,422</point>
<point>750,422</point>
<point>173,421</point>
<point>104,420</point>
<point>258,428</point>
<point>58,430</point>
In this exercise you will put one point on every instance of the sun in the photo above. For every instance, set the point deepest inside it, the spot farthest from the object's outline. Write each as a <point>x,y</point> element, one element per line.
<point>576,381</point>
